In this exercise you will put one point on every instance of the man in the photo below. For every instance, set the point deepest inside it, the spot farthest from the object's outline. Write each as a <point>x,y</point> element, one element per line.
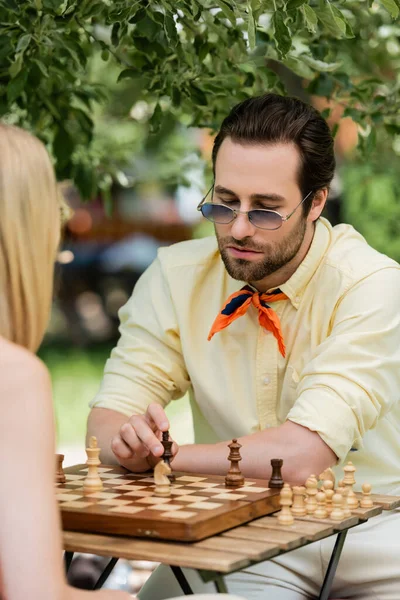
<point>303,361</point>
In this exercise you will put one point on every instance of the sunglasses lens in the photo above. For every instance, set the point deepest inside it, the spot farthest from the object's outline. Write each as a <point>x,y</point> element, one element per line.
<point>265,219</point>
<point>217,213</point>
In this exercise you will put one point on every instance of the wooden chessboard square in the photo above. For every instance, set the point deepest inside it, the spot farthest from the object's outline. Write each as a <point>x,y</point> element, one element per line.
<point>149,479</point>
<point>191,479</point>
<point>166,507</point>
<point>102,495</point>
<point>76,504</point>
<point>204,505</point>
<point>184,492</point>
<point>74,485</point>
<point>189,498</point>
<point>115,481</point>
<point>130,510</point>
<point>71,478</point>
<point>229,496</point>
<point>203,485</point>
<point>179,515</point>
<point>253,490</point>
<point>68,497</point>
<point>139,494</point>
<point>115,502</point>
<point>154,500</point>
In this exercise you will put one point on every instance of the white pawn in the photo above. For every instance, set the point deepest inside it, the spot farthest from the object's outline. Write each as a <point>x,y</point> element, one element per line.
<point>366,501</point>
<point>299,508</point>
<point>344,493</point>
<point>92,482</point>
<point>337,511</point>
<point>329,492</point>
<point>352,500</point>
<point>312,491</point>
<point>285,516</point>
<point>321,512</point>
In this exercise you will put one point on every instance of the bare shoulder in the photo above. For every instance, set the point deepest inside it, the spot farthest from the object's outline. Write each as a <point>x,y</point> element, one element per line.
<point>20,368</point>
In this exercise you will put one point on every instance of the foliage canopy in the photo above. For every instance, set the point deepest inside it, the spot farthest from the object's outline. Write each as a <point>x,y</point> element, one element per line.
<point>190,61</point>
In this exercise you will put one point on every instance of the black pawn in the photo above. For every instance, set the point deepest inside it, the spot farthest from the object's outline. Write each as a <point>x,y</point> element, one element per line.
<point>167,443</point>
<point>276,480</point>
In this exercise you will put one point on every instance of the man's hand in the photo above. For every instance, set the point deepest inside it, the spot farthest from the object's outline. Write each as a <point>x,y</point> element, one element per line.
<point>140,438</point>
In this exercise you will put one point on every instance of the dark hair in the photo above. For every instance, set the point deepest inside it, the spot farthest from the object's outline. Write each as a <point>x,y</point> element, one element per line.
<point>271,119</point>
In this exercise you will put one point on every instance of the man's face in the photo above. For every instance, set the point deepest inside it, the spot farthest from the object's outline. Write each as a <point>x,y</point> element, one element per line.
<point>258,176</point>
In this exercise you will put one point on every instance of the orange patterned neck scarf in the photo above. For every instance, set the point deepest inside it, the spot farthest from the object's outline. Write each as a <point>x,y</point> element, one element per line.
<point>237,305</point>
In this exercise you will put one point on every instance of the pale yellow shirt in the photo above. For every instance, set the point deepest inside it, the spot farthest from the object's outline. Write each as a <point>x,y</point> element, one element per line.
<point>341,326</point>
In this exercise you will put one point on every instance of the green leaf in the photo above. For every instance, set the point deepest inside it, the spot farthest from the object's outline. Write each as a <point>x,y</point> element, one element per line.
<point>16,86</point>
<point>63,146</point>
<point>23,42</point>
<point>128,74</point>
<point>251,28</point>
<point>16,66</point>
<point>282,35</point>
<point>156,118</point>
<point>292,4</point>
<point>170,30</point>
<point>332,19</point>
<point>310,18</point>
<point>42,67</point>
<point>227,11</point>
<point>114,34</point>
<point>391,7</point>
<point>320,65</point>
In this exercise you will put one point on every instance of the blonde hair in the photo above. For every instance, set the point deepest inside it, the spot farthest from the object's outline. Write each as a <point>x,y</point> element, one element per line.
<point>29,236</point>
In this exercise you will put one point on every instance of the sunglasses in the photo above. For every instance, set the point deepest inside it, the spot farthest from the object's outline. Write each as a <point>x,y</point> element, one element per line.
<point>263,218</point>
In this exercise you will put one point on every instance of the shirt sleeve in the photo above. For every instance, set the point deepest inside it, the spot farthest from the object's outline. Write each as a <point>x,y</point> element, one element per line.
<point>353,377</point>
<point>147,364</point>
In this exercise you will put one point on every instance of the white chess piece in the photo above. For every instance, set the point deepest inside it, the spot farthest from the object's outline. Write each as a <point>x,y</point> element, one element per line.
<point>163,484</point>
<point>92,482</point>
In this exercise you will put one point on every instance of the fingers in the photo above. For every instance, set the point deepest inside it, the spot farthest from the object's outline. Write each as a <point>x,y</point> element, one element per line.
<point>120,448</point>
<point>141,436</point>
<point>156,415</point>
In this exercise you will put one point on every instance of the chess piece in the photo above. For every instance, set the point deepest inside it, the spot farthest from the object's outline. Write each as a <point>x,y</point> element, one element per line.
<point>167,455</point>
<point>234,477</point>
<point>285,516</point>
<point>161,480</point>
<point>299,505</point>
<point>343,491</point>
<point>337,510</point>
<point>352,500</point>
<point>60,476</point>
<point>320,511</point>
<point>366,500</point>
<point>349,479</point>
<point>328,475</point>
<point>276,480</point>
<point>312,491</point>
<point>92,482</point>
<point>329,492</point>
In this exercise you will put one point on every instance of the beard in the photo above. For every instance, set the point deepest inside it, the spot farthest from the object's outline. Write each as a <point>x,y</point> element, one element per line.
<point>275,256</point>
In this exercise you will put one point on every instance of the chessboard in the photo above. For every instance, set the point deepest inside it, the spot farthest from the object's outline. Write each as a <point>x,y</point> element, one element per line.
<point>199,505</point>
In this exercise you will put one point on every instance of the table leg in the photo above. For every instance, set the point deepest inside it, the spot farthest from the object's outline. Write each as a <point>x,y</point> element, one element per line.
<point>220,585</point>
<point>183,582</point>
<point>68,556</point>
<point>105,574</point>
<point>333,563</point>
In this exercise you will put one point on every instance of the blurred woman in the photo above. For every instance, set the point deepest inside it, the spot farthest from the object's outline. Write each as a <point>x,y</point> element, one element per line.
<point>30,533</point>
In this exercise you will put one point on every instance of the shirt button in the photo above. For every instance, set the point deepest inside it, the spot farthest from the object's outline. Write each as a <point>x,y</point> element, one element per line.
<point>266,380</point>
